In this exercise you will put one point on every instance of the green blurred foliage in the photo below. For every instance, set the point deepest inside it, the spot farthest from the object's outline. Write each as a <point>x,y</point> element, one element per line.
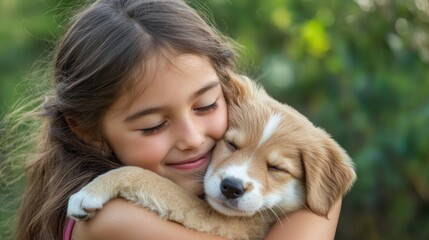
<point>358,68</point>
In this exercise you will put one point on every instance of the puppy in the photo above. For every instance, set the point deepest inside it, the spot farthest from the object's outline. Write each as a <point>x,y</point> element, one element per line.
<point>272,160</point>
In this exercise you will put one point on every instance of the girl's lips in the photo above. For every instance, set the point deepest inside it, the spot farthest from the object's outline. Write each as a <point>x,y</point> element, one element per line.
<point>193,164</point>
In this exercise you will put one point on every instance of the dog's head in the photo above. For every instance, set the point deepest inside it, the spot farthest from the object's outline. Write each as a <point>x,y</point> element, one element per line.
<point>272,157</point>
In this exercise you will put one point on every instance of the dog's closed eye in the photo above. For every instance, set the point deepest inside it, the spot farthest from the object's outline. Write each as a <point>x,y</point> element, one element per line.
<point>273,168</point>
<point>231,145</point>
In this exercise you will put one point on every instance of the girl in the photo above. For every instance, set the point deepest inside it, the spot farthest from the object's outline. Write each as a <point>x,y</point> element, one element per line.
<point>144,83</point>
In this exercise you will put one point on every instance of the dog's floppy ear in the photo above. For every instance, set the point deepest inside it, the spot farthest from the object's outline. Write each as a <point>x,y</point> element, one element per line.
<point>329,172</point>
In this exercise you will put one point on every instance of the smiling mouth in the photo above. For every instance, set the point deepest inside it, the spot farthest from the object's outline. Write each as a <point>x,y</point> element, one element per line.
<point>193,164</point>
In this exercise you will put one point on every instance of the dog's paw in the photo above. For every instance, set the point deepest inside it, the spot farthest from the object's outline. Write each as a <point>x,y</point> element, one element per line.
<point>82,205</point>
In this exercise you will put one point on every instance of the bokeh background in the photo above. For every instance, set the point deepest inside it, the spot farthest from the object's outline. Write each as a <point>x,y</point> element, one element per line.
<point>359,69</point>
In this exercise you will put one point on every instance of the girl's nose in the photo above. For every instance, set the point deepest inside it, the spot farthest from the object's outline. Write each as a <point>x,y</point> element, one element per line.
<point>190,135</point>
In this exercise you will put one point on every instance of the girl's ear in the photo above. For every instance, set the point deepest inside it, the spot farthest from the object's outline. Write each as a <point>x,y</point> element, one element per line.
<point>329,172</point>
<point>74,127</point>
<point>86,136</point>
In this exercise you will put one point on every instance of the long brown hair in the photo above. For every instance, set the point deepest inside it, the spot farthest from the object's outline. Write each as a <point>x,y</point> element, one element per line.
<point>94,62</point>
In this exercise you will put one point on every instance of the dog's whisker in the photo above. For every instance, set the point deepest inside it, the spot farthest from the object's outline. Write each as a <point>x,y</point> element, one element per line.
<point>283,213</point>
<point>274,213</point>
<point>281,210</point>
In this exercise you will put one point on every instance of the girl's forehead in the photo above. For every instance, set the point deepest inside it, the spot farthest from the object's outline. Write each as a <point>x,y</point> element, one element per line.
<point>165,62</point>
<point>156,74</point>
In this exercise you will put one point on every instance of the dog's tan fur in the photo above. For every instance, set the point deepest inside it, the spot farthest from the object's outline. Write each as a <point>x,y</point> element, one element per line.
<point>297,151</point>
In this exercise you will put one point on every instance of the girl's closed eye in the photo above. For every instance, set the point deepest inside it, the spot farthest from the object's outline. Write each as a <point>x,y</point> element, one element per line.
<point>207,108</point>
<point>153,130</point>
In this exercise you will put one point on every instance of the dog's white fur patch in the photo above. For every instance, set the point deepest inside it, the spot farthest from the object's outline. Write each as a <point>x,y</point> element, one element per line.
<point>270,127</point>
<point>289,197</point>
<point>239,172</point>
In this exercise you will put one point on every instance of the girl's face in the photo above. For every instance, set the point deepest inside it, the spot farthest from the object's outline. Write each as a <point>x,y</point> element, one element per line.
<point>172,127</point>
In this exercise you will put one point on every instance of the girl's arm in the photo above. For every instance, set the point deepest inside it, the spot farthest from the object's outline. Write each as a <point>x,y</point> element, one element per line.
<point>304,224</point>
<point>118,219</point>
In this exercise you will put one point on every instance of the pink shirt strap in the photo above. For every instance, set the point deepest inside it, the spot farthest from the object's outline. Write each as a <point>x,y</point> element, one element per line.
<point>69,229</point>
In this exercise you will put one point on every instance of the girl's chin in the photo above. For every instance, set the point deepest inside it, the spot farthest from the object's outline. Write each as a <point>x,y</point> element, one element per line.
<point>193,187</point>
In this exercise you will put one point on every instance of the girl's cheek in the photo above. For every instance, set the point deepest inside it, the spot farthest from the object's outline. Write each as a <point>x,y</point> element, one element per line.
<point>220,122</point>
<point>147,155</point>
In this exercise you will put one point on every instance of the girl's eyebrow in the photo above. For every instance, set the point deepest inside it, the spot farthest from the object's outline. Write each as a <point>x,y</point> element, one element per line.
<point>152,110</point>
<point>205,89</point>
<point>143,112</point>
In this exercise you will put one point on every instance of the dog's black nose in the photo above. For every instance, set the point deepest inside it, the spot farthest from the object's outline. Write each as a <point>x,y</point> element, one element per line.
<point>231,188</point>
